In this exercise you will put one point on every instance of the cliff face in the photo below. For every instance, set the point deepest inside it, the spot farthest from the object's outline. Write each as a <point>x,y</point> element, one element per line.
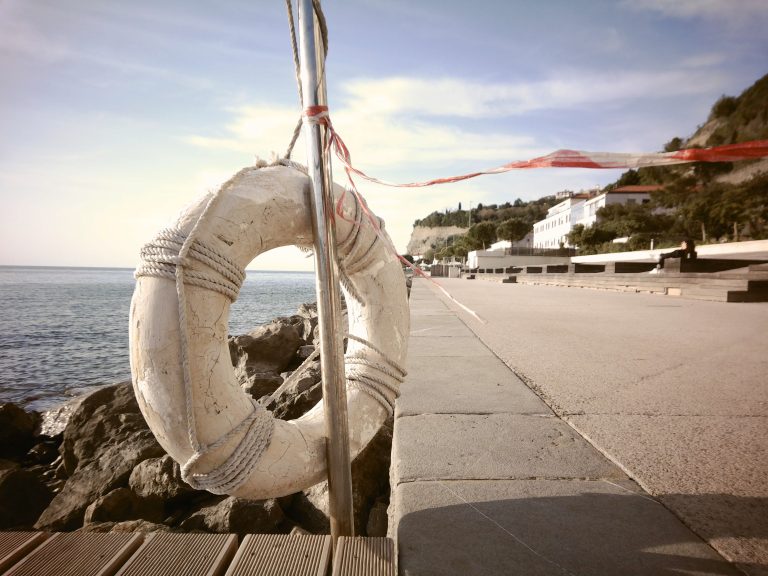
<point>424,238</point>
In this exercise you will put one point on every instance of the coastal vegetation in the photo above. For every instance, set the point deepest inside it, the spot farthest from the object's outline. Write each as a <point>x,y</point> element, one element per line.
<point>710,202</point>
<point>487,224</point>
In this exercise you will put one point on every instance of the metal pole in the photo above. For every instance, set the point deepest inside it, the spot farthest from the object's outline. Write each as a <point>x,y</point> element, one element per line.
<point>311,57</point>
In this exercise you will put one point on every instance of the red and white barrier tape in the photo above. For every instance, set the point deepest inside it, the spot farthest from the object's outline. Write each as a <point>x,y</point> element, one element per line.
<point>558,159</point>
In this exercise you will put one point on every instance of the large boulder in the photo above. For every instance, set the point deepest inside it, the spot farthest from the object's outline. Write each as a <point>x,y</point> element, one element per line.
<point>268,348</point>
<point>257,384</point>
<point>17,431</point>
<point>302,394</point>
<point>237,515</point>
<point>107,417</point>
<point>22,496</point>
<point>104,440</point>
<point>121,504</point>
<point>161,478</point>
<point>89,482</point>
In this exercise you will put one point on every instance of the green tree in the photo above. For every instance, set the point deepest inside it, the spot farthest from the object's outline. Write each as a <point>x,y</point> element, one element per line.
<point>589,238</point>
<point>574,236</point>
<point>725,106</point>
<point>631,219</point>
<point>483,233</point>
<point>673,145</point>
<point>513,229</point>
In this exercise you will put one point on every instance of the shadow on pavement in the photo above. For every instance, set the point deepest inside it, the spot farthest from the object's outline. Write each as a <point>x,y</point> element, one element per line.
<point>585,534</point>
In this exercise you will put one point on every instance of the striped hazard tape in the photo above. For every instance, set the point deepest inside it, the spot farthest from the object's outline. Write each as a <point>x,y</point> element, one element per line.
<point>558,159</point>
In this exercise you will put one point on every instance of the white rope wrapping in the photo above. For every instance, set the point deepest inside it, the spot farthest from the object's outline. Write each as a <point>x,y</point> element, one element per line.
<point>168,256</point>
<point>379,378</point>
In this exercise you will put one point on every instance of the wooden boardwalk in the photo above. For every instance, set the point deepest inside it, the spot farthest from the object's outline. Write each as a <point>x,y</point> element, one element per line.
<point>162,553</point>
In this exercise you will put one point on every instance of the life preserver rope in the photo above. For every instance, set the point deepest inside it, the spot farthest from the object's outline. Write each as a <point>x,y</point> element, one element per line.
<point>232,444</point>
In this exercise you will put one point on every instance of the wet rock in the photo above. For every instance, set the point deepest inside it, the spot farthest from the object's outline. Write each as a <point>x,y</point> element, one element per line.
<point>23,496</point>
<point>161,478</point>
<point>237,515</point>
<point>122,504</point>
<point>55,420</point>
<point>17,431</point>
<point>268,348</point>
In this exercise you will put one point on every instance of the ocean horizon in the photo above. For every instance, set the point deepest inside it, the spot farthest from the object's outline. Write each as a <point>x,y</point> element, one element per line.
<point>64,329</point>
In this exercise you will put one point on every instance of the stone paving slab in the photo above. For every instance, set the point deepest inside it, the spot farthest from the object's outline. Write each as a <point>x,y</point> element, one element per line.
<point>457,346</point>
<point>503,491</point>
<point>543,528</point>
<point>491,446</point>
<point>462,391</point>
<point>719,448</point>
<point>441,326</point>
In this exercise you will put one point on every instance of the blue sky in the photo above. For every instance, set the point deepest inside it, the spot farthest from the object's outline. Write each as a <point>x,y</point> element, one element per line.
<point>115,115</point>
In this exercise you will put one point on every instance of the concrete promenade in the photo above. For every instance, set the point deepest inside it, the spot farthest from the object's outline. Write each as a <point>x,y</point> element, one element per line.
<point>581,432</point>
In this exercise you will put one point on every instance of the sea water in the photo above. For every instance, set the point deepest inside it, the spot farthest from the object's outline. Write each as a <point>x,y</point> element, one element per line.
<point>65,330</point>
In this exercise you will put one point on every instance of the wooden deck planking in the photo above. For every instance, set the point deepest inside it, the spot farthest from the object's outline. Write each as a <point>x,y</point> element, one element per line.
<point>364,557</point>
<point>162,553</point>
<point>15,545</point>
<point>187,554</point>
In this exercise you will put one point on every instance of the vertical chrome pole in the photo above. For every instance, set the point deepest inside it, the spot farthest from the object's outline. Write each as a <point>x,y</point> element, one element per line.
<point>311,57</point>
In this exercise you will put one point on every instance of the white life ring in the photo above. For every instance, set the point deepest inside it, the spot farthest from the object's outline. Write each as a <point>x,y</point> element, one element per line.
<point>226,442</point>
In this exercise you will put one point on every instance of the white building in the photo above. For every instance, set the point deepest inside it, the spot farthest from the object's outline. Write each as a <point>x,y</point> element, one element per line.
<point>503,254</point>
<point>551,232</point>
<point>582,209</point>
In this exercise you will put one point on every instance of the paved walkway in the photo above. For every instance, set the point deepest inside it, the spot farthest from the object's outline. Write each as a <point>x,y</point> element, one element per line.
<point>490,477</point>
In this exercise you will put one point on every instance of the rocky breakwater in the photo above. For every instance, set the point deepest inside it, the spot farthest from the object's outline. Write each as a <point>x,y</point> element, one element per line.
<point>106,472</point>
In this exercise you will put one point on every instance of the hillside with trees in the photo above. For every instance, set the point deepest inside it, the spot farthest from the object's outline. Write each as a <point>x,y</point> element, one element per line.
<point>482,226</point>
<point>709,202</point>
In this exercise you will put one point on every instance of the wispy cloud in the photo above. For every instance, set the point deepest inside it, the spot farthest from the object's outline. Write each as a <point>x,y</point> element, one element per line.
<point>377,140</point>
<point>732,12</point>
<point>399,119</point>
<point>453,97</point>
<point>21,35</point>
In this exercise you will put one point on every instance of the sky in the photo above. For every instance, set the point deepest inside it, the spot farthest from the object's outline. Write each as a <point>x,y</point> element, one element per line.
<point>116,115</point>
